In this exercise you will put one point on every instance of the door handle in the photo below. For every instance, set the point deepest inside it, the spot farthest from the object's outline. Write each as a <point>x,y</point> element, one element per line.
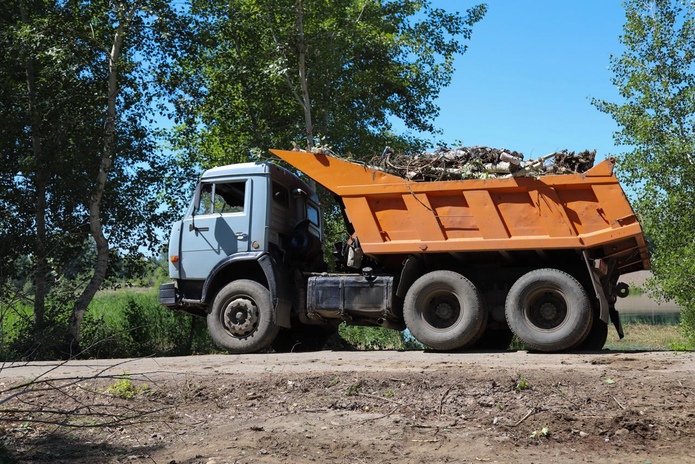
<point>241,236</point>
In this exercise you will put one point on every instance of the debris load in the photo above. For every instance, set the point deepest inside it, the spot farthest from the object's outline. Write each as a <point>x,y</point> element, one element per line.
<point>479,163</point>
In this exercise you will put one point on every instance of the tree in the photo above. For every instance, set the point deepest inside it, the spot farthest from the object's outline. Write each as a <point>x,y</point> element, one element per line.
<point>656,79</point>
<point>262,74</point>
<point>79,155</point>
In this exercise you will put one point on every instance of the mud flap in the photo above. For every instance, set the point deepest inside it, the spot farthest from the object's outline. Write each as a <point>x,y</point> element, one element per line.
<point>615,319</point>
<point>605,307</point>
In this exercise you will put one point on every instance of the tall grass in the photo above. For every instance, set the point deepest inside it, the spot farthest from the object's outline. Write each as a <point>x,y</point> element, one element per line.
<point>648,337</point>
<point>377,338</point>
<point>130,324</point>
<point>116,325</point>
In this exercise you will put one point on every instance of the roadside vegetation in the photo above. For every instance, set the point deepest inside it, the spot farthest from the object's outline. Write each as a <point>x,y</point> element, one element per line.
<point>129,322</point>
<point>641,336</point>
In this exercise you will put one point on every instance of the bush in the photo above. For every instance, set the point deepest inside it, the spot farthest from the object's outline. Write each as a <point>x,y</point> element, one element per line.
<point>126,324</point>
<point>19,339</point>
<point>687,317</point>
<point>377,338</point>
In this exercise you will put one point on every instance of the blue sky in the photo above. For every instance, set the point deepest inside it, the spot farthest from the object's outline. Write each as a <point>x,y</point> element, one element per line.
<point>531,68</point>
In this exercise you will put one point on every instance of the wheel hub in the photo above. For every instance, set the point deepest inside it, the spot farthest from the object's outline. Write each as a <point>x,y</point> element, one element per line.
<point>240,317</point>
<point>444,311</point>
<point>548,311</point>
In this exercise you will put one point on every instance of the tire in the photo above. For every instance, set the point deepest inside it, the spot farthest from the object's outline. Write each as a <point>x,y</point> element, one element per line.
<point>302,339</point>
<point>241,319</point>
<point>444,311</point>
<point>548,310</point>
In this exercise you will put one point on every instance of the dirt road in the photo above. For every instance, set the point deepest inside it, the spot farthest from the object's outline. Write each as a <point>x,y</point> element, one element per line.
<point>362,407</point>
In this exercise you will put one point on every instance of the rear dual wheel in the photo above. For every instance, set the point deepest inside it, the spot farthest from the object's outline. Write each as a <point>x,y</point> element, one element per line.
<point>549,310</point>
<point>444,311</point>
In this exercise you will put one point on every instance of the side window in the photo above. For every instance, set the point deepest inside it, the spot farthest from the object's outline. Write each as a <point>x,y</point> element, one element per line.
<point>312,213</point>
<point>230,197</point>
<point>281,195</point>
<point>222,198</point>
<point>205,205</point>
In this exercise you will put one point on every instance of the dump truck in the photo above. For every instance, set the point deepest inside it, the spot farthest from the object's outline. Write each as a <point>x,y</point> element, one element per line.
<point>460,264</point>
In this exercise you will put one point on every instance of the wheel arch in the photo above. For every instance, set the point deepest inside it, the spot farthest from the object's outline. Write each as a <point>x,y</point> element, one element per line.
<point>259,267</point>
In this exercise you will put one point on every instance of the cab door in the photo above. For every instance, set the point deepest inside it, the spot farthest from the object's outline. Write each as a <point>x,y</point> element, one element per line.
<point>217,226</point>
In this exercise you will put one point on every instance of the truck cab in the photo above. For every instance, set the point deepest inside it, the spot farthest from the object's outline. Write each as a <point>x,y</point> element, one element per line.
<point>252,222</point>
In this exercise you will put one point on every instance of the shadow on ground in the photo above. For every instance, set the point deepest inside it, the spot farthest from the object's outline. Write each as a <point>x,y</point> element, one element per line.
<point>62,447</point>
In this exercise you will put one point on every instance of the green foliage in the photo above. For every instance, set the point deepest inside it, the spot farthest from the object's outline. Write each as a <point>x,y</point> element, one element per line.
<point>681,346</point>
<point>55,139</point>
<point>377,338</point>
<point>538,434</point>
<point>118,325</point>
<point>126,324</point>
<point>655,76</point>
<point>521,383</point>
<point>248,67</point>
<point>354,389</point>
<point>22,340</point>
<point>126,389</point>
<point>672,319</point>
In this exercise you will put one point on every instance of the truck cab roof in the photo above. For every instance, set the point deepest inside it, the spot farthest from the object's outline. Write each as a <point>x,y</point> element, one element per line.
<point>276,172</point>
<point>231,170</point>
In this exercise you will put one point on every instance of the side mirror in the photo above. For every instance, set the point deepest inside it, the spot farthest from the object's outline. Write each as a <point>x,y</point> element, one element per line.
<point>196,198</point>
<point>195,206</point>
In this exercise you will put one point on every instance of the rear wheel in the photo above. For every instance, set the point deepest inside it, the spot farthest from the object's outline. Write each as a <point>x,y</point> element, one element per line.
<point>241,319</point>
<point>444,311</point>
<point>548,310</point>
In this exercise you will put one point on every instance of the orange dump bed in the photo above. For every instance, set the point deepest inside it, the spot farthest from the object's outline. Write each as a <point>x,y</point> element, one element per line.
<point>394,215</point>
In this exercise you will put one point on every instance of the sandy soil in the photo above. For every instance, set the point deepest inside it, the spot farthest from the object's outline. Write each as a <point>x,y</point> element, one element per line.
<point>608,407</point>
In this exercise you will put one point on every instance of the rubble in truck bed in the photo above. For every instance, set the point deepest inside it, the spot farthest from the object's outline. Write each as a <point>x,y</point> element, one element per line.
<point>480,163</point>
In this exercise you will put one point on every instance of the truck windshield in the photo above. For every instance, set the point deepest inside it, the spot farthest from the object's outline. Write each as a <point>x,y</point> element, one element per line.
<point>228,197</point>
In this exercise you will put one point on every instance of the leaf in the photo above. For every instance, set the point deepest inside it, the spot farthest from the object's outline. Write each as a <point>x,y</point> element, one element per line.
<point>609,381</point>
<point>655,76</point>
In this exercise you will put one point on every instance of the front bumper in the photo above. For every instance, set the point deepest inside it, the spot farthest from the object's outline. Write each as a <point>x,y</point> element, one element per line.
<point>167,295</point>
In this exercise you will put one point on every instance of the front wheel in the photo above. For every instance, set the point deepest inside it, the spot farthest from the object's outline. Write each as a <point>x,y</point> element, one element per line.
<point>548,310</point>
<point>241,319</point>
<point>444,311</point>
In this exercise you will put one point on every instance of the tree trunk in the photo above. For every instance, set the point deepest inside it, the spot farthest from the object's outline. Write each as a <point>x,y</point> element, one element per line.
<point>40,287</point>
<point>303,79</point>
<point>39,169</point>
<point>95,226</point>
